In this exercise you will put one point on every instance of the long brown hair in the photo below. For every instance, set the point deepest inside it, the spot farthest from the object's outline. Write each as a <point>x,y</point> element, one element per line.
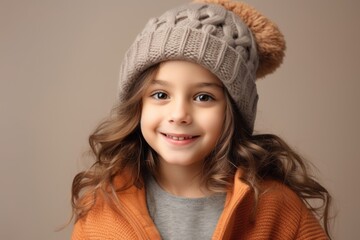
<point>117,144</point>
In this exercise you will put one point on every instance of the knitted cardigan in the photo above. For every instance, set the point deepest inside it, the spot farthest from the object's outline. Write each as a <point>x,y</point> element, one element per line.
<point>280,215</point>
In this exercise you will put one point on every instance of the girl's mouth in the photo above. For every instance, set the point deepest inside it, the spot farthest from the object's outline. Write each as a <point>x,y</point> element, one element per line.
<point>179,137</point>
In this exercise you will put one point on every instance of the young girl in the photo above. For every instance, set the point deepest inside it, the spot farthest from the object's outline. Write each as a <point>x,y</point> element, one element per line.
<point>178,159</point>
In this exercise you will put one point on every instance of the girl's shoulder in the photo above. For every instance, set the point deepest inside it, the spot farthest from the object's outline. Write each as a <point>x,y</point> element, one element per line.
<point>271,192</point>
<point>279,214</point>
<point>279,193</point>
<point>277,197</point>
<point>105,219</point>
<point>102,222</point>
<point>282,206</point>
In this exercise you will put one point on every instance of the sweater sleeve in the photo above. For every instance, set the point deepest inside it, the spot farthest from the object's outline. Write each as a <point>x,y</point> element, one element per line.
<point>309,226</point>
<point>292,218</point>
<point>280,215</point>
<point>78,232</point>
<point>102,222</point>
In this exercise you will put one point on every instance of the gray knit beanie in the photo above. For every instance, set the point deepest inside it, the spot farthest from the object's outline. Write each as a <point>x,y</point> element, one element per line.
<point>230,39</point>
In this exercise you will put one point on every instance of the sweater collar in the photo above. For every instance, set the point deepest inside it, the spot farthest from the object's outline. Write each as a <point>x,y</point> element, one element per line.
<point>234,198</point>
<point>134,201</point>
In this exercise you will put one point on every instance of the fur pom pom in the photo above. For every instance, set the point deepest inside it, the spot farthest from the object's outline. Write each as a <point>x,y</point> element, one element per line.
<point>270,41</point>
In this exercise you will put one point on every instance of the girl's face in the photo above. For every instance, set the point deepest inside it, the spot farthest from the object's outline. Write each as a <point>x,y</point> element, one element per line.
<point>183,113</point>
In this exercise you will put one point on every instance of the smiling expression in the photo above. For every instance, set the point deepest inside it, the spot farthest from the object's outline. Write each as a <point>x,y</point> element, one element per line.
<point>183,113</point>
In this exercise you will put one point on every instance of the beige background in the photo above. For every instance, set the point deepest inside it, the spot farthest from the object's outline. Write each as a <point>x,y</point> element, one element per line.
<point>59,63</point>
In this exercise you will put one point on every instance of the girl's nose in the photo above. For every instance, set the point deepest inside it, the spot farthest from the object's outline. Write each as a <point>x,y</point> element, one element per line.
<point>180,113</point>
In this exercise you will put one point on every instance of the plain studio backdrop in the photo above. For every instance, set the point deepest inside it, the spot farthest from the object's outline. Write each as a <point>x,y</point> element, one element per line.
<point>59,64</point>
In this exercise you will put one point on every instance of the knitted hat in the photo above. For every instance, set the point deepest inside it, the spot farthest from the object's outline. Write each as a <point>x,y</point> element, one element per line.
<point>230,39</point>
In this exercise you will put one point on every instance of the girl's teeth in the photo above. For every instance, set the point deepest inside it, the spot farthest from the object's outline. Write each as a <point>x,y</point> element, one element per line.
<point>179,138</point>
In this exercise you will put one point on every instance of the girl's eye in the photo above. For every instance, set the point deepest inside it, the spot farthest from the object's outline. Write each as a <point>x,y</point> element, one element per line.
<point>203,98</point>
<point>159,95</point>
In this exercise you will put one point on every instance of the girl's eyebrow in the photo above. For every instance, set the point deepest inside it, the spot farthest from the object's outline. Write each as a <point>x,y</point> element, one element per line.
<point>200,84</point>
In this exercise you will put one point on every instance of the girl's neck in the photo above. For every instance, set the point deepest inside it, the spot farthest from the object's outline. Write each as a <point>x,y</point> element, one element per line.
<point>182,181</point>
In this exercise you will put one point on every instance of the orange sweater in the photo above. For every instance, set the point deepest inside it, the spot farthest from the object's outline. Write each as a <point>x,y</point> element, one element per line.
<point>280,215</point>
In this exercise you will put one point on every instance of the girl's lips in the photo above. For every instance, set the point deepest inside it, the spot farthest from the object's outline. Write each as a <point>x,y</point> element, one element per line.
<point>180,139</point>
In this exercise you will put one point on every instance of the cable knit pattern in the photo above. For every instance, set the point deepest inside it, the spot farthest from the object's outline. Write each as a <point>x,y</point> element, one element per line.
<point>280,215</point>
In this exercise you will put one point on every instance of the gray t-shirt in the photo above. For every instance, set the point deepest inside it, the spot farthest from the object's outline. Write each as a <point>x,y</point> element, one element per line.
<point>183,218</point>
